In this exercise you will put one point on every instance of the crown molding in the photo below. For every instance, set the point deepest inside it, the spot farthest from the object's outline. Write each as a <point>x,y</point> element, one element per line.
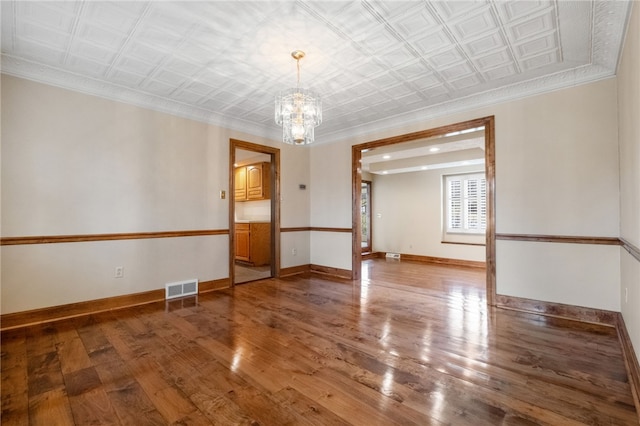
<point>609,20</point>
<point>40,73</point>
<point>549,83</point>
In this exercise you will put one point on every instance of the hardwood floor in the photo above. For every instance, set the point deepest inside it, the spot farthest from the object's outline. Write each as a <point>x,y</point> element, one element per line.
<point>410,344</point>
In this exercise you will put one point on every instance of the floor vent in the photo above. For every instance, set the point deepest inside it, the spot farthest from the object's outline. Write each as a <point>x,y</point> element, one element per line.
<point>393,255</point>
<point>181,288</point>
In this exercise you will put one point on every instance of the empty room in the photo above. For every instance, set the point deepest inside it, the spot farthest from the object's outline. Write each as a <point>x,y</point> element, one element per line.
<point>320,212</point>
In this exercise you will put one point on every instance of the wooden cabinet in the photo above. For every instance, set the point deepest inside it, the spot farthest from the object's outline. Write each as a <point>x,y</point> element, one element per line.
<point>252,182</point>
<point>240,179</point>
<point>243,248</point>
<point>253,243</point>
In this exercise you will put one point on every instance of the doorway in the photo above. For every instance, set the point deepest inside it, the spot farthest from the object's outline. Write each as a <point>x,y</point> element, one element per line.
<point>366,222</point>
<point>254,212</point>
<point>487,124</point>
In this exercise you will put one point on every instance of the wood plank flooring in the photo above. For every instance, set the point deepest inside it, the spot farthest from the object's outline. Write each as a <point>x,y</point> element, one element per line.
<point>409,344</point>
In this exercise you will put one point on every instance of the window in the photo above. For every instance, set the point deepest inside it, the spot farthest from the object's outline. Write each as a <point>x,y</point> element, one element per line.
<point>466,204</point>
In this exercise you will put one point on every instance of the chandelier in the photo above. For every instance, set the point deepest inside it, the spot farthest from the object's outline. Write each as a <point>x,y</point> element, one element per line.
<point>298,110</point>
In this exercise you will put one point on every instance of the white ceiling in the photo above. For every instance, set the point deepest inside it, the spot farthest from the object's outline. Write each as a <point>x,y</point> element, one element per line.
<point>376,64</point>
<point>464,148</point>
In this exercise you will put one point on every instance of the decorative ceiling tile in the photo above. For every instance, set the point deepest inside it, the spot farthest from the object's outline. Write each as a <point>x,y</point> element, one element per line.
<point>393,10</point>
<point>52,38</point>
<point>197,87</point>
<point>39,51</point>
<point>445,58</point>
<point>114,15</point>
<point>435,91</point>
<point>412,70</point>
<point>376,63</point>
<point>99,35</point>
<point>399,90</point>
<point>175,80</point>
<point>361,89</point>
<point>481,22</point>
<point>48,15</point>
<point>175,65</point>
<point>433,42</point>
<point>512,10</point>
<point>454,9</point>
<point>456,71</point>
<point>486,43</point>
<point>466,82</point>
<point>383,80</point>
<point>532,26</point>
<point>155,36</point>
<point>223,96</point>
<point>123,77</point>
<point>500,72</point>
<point>93,52</point>
<point>425,81</point>
<point>541,60</point>
<point>493,60</point>
<point>368,69</point>
<point>146,53</point>
<point>159,88</point>
<point>413,99</point>
<point>86,66</point>
<point>374,99</point>
<point>542,44</point>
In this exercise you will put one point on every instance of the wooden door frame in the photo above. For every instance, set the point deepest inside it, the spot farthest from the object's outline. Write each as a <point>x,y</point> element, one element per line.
<point>490,171</point>
<point>274,177</point>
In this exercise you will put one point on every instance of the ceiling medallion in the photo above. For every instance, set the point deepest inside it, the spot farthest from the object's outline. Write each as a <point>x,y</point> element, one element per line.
<point>298,110</point>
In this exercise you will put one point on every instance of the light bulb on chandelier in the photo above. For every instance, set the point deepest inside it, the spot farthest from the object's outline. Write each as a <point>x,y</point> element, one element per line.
<point>298,110</point>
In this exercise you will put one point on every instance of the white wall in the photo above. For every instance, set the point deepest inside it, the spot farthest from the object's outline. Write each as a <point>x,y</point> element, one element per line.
<point>76,164</point>
<point>259,210</point>
<point>561,273</point>
<point>295,205</point>
<point>407,215</point>
<point>330,188</point>
<point>556,174</point>
<point>629,133</point>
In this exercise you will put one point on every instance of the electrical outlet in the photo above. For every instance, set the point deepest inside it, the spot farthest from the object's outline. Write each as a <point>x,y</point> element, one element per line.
<point>294,251</point>
<point>119,272</point>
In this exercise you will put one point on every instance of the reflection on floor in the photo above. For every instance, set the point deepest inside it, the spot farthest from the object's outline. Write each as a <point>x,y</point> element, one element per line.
<point>245,273</point>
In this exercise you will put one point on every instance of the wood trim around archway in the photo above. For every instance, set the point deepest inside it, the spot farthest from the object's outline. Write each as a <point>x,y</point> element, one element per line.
<point>490,167</point>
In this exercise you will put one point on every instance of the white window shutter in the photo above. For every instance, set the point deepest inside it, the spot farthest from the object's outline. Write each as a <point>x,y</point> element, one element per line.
<point>466,206</point>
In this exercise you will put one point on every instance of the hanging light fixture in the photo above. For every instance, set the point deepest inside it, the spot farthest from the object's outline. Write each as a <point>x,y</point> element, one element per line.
<point>298,110</point>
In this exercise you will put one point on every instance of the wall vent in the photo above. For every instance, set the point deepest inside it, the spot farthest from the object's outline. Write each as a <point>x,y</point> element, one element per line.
<point>393,256</point>
<point>181,288</point>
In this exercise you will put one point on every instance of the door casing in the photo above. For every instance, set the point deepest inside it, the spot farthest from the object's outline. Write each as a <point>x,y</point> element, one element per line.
<point>274,177</point>
<point>490,171</point>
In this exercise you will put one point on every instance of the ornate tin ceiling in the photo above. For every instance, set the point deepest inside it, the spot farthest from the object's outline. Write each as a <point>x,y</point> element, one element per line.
<point>377,64</point>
